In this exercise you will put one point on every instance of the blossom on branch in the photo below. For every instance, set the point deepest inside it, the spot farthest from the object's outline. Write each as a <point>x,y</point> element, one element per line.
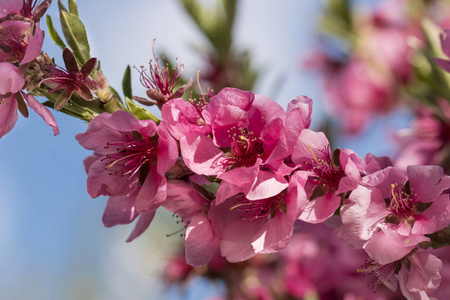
<point>129,164</point>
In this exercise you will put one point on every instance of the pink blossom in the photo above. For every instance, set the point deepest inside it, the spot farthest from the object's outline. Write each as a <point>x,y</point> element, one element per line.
<point>129,164</point>
<point>358,92</point>
<point>247,136</point>
<point>161,83</point>
<point>390,213</point>
<point>248,227</point>
<point>20,41</point>
<point>417,274</point>
<point>424,142</point>
<point>328,176</point>
<point>12,98</point>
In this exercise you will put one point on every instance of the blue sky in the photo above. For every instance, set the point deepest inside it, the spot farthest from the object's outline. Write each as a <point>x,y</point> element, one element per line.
<point>54,245</point>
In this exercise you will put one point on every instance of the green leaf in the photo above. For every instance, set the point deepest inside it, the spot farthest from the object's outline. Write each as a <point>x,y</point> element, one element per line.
<point>139,112</point>
<point>126,83</point>
<point>61,6</point>
<point>53,34</point>
<point>73,7</point>
<point>75,34</point>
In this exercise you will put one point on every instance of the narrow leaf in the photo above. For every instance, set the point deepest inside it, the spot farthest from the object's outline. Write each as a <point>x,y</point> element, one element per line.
<point>73,7</point>
<point>139,112</point>
<point>61,6</point>
<point>53,34</point>
<point>126,83</point>
<point>75,34</point>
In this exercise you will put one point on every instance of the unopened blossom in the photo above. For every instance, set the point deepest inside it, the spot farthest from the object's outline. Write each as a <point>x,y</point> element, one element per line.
<point>328,175</point>
<point>70,80</point>
<point>247,227</point>
<point>390,213</point>
<point>12,99</point>
<point>129,164</point>
<point>161,82</point>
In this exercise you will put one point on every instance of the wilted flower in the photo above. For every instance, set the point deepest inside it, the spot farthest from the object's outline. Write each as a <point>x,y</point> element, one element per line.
<point>70,80</point>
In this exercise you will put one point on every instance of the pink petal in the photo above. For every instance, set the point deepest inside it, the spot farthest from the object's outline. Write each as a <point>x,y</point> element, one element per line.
<point>403,275</point>
<point>41,110</point>
<point>12,80</point>
<point>8,115</point>
<point>167,150</point>
<point>201,155</point>
<point>266,184</point>
<point>269,109</point>
<point>227,96</point>
<point>361,213</point>
<point>126,122</point>
<point>236,235</point>
<point>225,191</point>
<point>99,182</point>
<point>274,143</point>
<point>375,163</point>
<point>424,272</point>
<point>427,182</point>
<point>384,178</point>
<point>98,135</point>
<point>242,177</point>
<point>10,7</point>
<point>152,194</point>
<point>201,241</point>
<point>183,200</point>
<point>228,119</point>
<point>434,218</point>
<point>183,119</point>
<point>320,209</point>
<point>298,118</point>
<point>352,165</point>
<point>34,46</point>
<point>141,225</point>
<point>310,145</point>
<point>387,246</point>
<point>119,210</point>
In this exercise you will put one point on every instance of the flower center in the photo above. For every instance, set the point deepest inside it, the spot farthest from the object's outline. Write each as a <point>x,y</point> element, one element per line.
<point>258,209</point>
<point>12,45</point>
<point>246,147</point>
<point>382,273</point>
<point>62,78</point>
<point>131,159</point>
<point>401,202</point>
<point>324,170</point>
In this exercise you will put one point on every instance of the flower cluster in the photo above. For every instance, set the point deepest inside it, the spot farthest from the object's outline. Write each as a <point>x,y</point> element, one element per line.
<point>269,171</point>
<point>245,175</point>
<point>20,45</point>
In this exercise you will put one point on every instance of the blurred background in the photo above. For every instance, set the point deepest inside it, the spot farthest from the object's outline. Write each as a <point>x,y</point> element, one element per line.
<point>54,245</point>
